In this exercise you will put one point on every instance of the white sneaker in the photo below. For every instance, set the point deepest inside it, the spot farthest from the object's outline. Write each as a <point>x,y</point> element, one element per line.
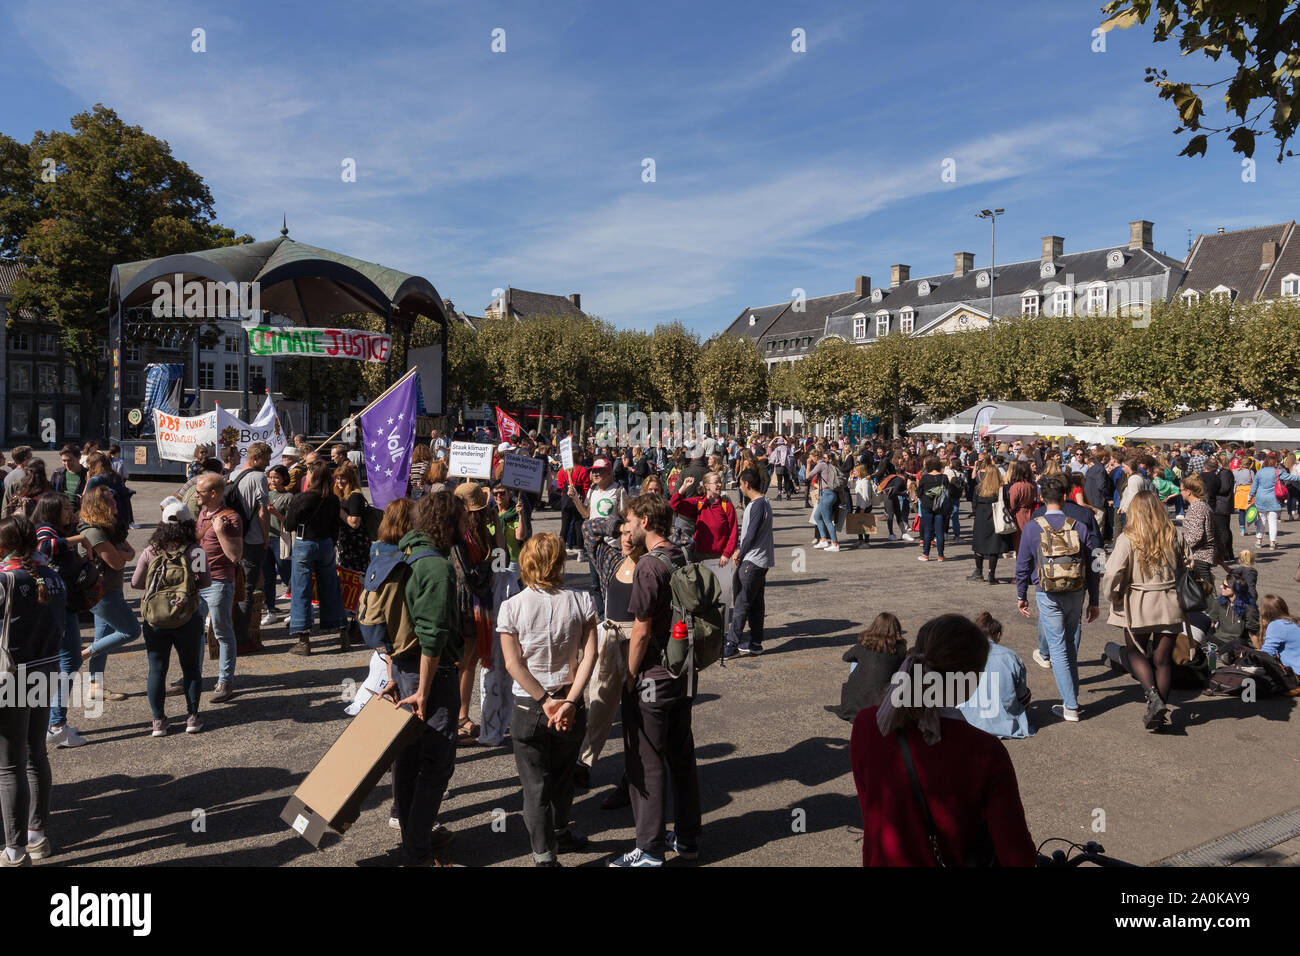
<point>269,618</point>
<point>1041,661</point>
<point>832,547</point>
<point>822,544</point>
<point>65,736</point>
<point>1068,713</point>
<point>908,537</point>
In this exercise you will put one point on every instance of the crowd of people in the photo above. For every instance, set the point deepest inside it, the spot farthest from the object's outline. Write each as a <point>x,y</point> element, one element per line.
<point>456,587</point>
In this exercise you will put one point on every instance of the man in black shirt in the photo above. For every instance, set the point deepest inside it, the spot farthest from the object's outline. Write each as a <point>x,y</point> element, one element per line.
<point>657,733</point>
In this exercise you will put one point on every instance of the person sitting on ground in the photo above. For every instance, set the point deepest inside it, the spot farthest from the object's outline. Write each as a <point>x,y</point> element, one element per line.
<point>872,662</point>
<point>1279,632</point>
<point>999,702</point>
<point>1235,615</point>
<point>933,790</point>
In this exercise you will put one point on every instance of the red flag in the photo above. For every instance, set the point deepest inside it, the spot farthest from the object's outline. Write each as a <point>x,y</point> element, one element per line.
<point>507,426</point>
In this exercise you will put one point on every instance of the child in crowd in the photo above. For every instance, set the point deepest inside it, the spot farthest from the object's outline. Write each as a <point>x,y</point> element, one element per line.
<point>999,702</point>
<point>873,661</point>
<point>1248,573</point>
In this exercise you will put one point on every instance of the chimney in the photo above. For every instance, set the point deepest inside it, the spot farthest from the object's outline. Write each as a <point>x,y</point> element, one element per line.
<point>962,263</point>
<point>1052,247</point>
<point>1139,234</point>
<point>898,275</point>
<point>862,286</point>
<point>576,299</point>
<point>1269,254</point>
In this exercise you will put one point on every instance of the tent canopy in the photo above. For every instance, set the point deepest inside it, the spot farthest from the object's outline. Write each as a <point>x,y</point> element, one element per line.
<point>309,285</point>
<point>1237,424</point>
<point>1012,419</point>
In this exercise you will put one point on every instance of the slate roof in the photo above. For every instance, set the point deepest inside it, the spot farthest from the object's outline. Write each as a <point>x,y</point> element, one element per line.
<point>1011,280</point>
<point>523,304</point>
<point>10,270</point>
<point>790,330</point>
<point>1288,263</point>
<point>1233,259</point>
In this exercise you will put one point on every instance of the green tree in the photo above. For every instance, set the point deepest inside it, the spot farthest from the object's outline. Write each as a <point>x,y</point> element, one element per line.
<point>1262,37</point>
<point>674,352</point>
<point>835,378</point>
<point>110,193</point>
<point>733,377</point>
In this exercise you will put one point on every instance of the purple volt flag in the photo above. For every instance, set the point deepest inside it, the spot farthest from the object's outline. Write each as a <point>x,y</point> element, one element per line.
<point>387,438</point>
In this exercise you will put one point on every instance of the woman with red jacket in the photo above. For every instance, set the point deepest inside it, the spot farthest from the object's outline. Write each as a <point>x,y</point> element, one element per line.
<point>715,529</point>
<point>935,791</point>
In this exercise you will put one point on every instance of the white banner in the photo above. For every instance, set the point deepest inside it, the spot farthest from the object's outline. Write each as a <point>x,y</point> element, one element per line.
<point>523,473</point>
<point>177,437</point>
<point>265,426</point>
<point>566,454</point>
<point>470,460</point>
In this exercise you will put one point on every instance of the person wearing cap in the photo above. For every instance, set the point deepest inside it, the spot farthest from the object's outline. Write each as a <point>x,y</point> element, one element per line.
<point>176,532</point>
<point>606,498</point>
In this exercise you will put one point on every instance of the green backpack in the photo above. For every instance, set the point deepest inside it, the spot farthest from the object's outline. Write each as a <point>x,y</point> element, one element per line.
<point>171,594</point>
<point>696,600</point>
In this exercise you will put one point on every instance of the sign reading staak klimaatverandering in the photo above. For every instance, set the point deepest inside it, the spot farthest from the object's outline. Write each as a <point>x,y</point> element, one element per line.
<point>319,343</point>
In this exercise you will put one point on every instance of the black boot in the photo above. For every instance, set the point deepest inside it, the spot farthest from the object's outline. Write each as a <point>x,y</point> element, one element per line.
<point>303,647</point>
<point>1154,718</point>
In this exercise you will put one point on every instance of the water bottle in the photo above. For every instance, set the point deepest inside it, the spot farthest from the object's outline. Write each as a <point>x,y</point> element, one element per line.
<point>1212,656</point>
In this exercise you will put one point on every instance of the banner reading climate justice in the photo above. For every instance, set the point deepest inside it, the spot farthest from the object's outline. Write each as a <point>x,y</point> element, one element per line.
<point>319,343</point>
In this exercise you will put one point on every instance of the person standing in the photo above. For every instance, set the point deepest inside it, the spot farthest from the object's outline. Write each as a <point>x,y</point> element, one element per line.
<point>657,735</point>
<point>715,525</point>
<point>423,676</point>
<point>546,630</point>
<point>1022,495</point>
<point>1265,499</point>
<point>1140,586</point>
<point>70,479</point>
<point>1218,495</point>
<point>314,520</point>
<point>115,622</point>
<point>55,519</point>
<point>756,555</point>
<point>352,547</point>
<point>1060,598</point>
<point>1099,492</point>
<point>220,534</point>
<point>827,475</point>
<point>33,602</point>
<point>20,456</point>
<point>934,498</point>
<point>253,490</point>
<point>986,542</point>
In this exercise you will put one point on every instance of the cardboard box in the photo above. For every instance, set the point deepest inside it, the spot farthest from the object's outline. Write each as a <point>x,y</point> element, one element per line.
<point>860,523</point>
<point>331,795</point>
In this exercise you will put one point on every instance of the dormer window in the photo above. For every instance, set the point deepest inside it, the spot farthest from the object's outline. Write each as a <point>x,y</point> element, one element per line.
<point>1029,303</point>
<point>1291,285</point>
<point>1063,302</point>
<point>906,320</point>
<point>1047,270</point>
<point>752,318</point>
<point>982,279</point>
<point>1190,297</point>
<point>923,287</point>
<point>1114,259</point>
<point>877,295</point>
<point>859,327</point>
<point>1221,293</point>
<point>1097,298</point>
<point>882,324</point>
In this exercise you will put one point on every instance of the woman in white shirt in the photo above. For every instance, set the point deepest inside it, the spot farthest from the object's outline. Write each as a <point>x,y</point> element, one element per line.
<point>548,639</point>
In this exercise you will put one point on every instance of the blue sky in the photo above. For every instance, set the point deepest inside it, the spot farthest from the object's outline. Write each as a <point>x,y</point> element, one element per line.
<point>775,170</point>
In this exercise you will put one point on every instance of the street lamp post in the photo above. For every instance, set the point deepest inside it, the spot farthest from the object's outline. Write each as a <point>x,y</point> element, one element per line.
<point>992,216</point>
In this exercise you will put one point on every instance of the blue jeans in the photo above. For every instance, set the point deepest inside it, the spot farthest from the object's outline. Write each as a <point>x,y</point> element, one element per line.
<point>217,605</point>
<point>825,516</point>
<point>1060,615</point>
<point>315,559</point>
<point>69,663</point>
<point>956,518</point>
<point>115,624</point>
<point>931,527</point>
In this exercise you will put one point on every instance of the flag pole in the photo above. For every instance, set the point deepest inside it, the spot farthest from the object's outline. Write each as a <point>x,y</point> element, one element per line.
<point>368,407</point>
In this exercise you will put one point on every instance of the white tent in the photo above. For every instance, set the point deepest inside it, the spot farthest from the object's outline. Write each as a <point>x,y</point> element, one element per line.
<point>1241,424</point>
<point>1013,420</point>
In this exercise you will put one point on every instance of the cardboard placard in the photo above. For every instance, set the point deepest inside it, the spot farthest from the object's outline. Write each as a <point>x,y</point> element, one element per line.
<point>142,454</point>
<point>469,460</point>
<point>566,453</point>
<point>523,473</point>
<point>860,523</point>
<point>332,794</point>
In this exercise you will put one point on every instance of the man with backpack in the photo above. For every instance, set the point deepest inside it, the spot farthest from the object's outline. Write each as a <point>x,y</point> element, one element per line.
<point>1056,556</point>
<point>756,556</point>
<point>657,733</point>
<point>249,496</point>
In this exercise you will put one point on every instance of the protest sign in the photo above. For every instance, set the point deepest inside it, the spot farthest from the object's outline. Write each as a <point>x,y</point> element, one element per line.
<point>265,426</point>
<point>523,473</point>
<point>566,453</point>
<point>319,343</point>
<point>469,460</point>
<point>178,436</point>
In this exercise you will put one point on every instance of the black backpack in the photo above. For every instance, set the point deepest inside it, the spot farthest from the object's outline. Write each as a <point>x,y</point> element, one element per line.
<point>1270,676</point>
<point>232,499</point>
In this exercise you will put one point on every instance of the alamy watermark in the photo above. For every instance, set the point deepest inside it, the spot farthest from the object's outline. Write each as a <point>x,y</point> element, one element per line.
<point>38,688</point>
<point>674,429</point>
<point>206,299</point>
<point>934,689</point>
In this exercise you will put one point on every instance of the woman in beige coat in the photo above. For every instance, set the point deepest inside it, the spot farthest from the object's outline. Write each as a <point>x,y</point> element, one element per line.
<point>1139,583</point>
